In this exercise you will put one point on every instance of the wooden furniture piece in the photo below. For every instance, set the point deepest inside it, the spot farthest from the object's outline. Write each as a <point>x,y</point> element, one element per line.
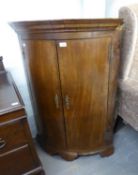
<point>72,68</point>
<point>17,152</point>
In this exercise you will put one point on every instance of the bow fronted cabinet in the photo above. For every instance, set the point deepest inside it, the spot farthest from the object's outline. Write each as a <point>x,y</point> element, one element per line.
<point>72,68</point>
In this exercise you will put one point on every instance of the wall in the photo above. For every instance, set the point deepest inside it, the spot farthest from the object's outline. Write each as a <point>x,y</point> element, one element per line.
<point>16,10</point>
<point>93,8</point>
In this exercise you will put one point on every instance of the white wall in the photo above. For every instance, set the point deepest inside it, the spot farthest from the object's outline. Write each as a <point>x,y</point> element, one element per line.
<point>93,8</point>
<point>112,6</point>
<point>18,10</point>
<point>10,50</point>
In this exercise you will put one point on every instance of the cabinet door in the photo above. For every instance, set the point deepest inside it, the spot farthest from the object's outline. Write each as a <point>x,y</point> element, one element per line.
<point>84,69</point>
<point>41,63</point>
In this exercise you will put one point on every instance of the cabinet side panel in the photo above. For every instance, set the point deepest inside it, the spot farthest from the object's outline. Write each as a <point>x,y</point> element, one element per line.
<point>113,79</point>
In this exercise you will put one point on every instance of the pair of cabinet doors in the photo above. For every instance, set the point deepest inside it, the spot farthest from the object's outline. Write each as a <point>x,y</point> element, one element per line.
<point>70,82</point>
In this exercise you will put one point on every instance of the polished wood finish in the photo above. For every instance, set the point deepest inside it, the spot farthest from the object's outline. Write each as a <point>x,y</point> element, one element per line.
<point>11,160</point>
<point>72,68</point>
<point>46,81</point>
<point>84,80</point>
<point>18,135</point>
<point>17,152</point>
<point>52,26</point>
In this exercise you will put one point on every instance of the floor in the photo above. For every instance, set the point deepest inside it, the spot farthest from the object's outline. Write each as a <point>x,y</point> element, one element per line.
<point>123,162</point>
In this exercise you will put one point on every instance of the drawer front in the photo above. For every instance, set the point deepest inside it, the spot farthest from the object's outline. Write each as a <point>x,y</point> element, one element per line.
<point>17,162</point>
<point>12,136</point>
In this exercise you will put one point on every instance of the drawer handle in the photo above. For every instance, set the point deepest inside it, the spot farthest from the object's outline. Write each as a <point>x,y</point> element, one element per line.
<point>2,143</point>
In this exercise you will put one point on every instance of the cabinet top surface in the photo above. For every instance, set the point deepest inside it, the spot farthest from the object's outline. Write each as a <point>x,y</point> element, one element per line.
<point>68,24</point>
<point>9,99</point>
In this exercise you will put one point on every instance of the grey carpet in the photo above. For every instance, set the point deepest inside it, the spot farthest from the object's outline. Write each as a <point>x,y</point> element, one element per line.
<point>123,162</point>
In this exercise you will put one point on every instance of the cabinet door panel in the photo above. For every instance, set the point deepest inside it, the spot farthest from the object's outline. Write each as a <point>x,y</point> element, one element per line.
<point>84,68</point>
<point>41,61</point>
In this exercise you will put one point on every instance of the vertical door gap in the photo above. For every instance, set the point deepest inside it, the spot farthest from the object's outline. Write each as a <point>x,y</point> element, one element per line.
<point>61,92</point>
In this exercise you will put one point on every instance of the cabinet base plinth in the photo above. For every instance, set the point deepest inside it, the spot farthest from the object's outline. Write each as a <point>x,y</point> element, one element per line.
<point>107,152</point>
<point>69,156</point>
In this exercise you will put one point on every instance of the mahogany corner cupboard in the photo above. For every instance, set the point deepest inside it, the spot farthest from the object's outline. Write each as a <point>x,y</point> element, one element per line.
<point>72,68</point>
